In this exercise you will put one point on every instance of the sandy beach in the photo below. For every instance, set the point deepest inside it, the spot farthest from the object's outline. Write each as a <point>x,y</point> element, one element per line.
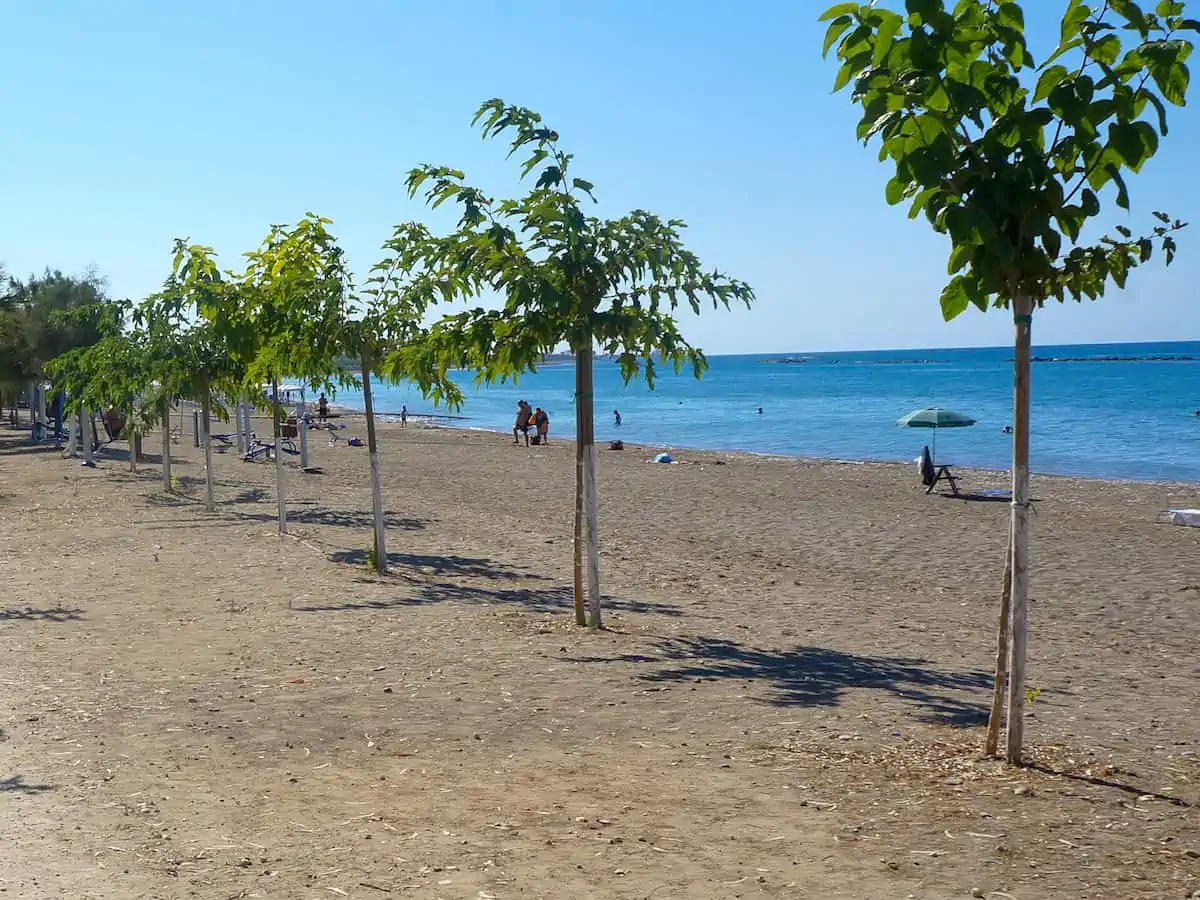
<point>787,702</point>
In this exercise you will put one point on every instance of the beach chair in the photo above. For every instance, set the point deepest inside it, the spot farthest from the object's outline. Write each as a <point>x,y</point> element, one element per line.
<point>931,474</point>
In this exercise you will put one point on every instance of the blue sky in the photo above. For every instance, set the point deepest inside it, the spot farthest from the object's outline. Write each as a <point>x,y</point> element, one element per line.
<point>131,124</point>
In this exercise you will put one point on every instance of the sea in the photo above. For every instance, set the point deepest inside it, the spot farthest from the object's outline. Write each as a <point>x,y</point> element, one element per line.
<point>1112,411</point>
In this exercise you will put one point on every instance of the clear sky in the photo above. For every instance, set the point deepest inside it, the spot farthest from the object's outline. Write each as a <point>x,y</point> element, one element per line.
<point>129,124</point>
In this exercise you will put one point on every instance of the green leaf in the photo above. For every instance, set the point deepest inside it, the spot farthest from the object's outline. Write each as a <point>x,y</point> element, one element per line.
<point>585,186</point>
<point>1126,139</point>
<point>1152,97</point>
<point>960,257</point>
<point>1010,14</point>
<point>1122,191</point>
<point>1052,243</point>
<point>920,201</point>
<point>1063,49</point>
<point>1172,81</point>
<point>885,36</point>
<point>843,77</point>
<point>1050,79</point>
<point>954,299</point>
<point>839,9</point>
<point>895,191</point>
<point>1106,50</point>
<point>837,28</point>
<point>926,9</point>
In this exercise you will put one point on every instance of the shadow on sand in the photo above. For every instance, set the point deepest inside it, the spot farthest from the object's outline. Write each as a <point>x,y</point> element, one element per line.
<point>51,614</point>
<point>818,676</point>
<point>336,517</point>
<point>1131,789</point>
<point>15,784</point>
<point>441,590</point>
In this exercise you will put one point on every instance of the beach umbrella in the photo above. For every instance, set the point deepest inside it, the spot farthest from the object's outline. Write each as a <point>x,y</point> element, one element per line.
<point>935,417</point>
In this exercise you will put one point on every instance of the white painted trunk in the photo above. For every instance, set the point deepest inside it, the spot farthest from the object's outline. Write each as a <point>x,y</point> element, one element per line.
<point>239,431</point>
<point>376,487</point>
<point>1019,590</point>
<point>206,436</point>
<point>592,535</point>
<point>280,496</point>
<point>85,438</point>
<point>166,448</point>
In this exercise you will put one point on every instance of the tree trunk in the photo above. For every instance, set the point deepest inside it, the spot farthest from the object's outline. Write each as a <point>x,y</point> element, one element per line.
<point>1023,322</point>
<point>166,447</point>
<point>577,542</point>
<point>86,438</point>
<point>206,435</point>
<point>585,429</point>
<point>238,429</point>
<point>135,443</point>
<point>996,715</point>
<point>373,453</point>
<point>279,486</point>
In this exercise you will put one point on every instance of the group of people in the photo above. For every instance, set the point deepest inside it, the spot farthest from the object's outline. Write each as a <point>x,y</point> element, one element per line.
<point>530,417</point>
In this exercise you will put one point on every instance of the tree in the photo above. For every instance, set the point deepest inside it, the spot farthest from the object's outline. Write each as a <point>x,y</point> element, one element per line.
<point>110,373</point>
<point>36,324</point>
<point>390,320</point>
<point>1008,158</point>
<point>564,278</point>
<point>285,316</point>
<point>188,358</point>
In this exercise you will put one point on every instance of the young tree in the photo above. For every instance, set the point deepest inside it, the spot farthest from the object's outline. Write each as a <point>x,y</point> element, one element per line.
<point>110,373</point>
<point>190,359</point>
<point>389,321</point>
<point>284,316</point>
<point>564,278</point>
<point>1009,159</point>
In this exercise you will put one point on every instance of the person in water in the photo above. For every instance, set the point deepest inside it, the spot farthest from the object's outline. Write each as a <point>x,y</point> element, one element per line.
<point>760,410</point>
<point>617,417</point>
<point>521,426</point>
<point>541,421</point>
<point>404,416</point>
<point>322,407</point>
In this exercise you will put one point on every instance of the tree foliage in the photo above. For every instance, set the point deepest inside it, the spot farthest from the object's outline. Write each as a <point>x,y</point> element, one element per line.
<point>563,276</point>
<point>38,321</point>
<point>1009,157</point>
<point>285,315</point>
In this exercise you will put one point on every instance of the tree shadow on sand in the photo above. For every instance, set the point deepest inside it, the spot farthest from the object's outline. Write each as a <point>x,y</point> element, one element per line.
<point>15,784</point>
<point>28,446</point>
<point>508,592</point>
<point>820,677</point>
<point>442,566</point>
<point>49,614</point>
<point>337,517</point>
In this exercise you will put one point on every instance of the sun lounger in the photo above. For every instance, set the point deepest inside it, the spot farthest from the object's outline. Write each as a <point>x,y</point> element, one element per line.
<point>1180,517</point>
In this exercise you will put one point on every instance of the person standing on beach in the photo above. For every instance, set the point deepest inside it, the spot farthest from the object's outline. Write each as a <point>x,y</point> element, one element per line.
<point>404,416</point>
<point>322,407</point>
<point>521,426</point>
<point>616,418</point>
<point>541,421</point>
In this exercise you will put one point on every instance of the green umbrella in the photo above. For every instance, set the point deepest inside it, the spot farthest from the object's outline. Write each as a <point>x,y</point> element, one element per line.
<point>935,417</point>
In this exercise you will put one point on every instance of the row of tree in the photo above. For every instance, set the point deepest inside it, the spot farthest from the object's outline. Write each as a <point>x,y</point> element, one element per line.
<point>553,274</point>
<point>1007,157</point>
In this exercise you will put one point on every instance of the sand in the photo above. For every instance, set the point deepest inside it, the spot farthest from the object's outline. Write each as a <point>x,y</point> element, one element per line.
<point>787,701</point>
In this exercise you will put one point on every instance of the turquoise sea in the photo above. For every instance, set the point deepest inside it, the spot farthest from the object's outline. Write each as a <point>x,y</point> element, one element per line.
<point>1122,411</point>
